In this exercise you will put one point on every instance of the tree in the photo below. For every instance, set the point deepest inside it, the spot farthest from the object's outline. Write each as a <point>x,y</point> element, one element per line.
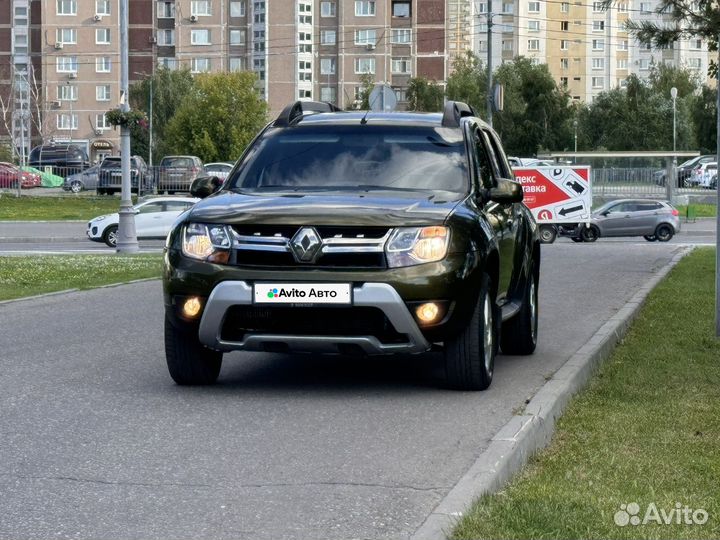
<point>367,83</point>
<point>217,118</point>
<point>169,89</point>
<point>37,113</point>
<point>424,95</point>
<point>468,83</point>
<point>700,18</point>
<point>537,114</point>
<point>640,116</point>
<point>704,114</point>
<point>663,77</point>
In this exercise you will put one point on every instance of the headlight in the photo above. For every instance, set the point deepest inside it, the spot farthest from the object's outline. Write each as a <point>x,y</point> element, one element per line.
<point>206,242</point>
<point>409,246</point>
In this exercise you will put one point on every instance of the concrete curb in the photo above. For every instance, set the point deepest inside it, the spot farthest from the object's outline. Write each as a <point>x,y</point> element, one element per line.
<point>527,433</point>
<point>22,221</point>
<point>37,240</point>
<point>66,291</point>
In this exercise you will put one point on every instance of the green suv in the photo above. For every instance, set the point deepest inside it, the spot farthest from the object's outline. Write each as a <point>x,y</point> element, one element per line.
<point>356,233</point>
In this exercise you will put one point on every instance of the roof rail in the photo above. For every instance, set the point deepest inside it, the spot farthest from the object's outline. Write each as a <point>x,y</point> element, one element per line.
<point>454,111</point>
<point>294,111</point>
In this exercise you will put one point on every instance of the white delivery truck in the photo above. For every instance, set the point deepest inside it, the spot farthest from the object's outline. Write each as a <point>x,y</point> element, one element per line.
<point>560,198</point>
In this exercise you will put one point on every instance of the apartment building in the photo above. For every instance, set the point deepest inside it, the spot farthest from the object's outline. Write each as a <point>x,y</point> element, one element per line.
<point>586,47</point>
<point>60,69</point>
<point>300,49</point>
<point>324,49</point>
<point>60,61</point>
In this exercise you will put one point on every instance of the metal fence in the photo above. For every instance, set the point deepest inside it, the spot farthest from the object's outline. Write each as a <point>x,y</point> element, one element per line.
<point>645,182</point>
<point>96,180</point>
<point>608,182</point>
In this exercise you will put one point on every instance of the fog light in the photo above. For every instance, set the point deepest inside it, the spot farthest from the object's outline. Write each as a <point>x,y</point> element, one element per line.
<point>191,307</point>
<point>428,312</point>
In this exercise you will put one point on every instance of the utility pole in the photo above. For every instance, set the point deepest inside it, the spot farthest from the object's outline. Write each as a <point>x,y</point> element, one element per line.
<point>489,63</point>
<point>127,237</point>
<point>717,189</point>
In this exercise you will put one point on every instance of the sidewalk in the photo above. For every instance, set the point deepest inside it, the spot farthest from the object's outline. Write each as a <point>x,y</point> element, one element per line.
<point>699,227</point>
<point>42,231</point>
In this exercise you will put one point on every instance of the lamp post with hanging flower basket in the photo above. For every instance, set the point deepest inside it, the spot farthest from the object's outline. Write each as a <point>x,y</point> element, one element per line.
<point>128,119</point>
<point>125,118</point>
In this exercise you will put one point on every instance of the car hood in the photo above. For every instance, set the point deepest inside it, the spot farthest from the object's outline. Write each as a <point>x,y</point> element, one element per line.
<point>356,208</point>
<point>107,217</point>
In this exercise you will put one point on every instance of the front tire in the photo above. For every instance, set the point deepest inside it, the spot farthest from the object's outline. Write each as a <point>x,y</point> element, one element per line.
<point>548,233</point>
<point>470,356</point>
<point>189,361</point>
<point>650,237</point>
<point>110,236</point>
<point>590,234</point>
<point>76,186</point>
<point>519,334</point>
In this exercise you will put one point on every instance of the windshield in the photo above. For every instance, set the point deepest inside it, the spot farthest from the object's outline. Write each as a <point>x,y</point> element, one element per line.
<point>332,157</point>
<point>176,162</point>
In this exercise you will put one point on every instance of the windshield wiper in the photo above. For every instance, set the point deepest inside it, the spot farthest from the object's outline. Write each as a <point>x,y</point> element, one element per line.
<point>372,187</point>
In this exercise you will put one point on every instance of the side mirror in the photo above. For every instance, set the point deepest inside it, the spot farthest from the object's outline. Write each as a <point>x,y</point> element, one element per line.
<point>204,186</point>
<point>506,192</point>
<point>605,213</point>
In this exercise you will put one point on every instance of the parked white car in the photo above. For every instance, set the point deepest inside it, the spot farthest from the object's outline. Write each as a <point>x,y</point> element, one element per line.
<point>153,219</point>
<point>219,169</point>
<point>703,174</point>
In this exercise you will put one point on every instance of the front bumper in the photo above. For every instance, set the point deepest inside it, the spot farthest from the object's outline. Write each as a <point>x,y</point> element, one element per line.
<point>377,295</point>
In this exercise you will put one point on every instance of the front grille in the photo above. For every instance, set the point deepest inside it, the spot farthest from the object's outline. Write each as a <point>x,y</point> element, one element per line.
<point>343,247</point>
<point>309,321</point>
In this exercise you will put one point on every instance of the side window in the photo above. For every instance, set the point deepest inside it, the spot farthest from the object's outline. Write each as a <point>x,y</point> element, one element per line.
<point>150,208</point>
<point>502,161</point>
<point>486,164</point>
<point>177,206</point>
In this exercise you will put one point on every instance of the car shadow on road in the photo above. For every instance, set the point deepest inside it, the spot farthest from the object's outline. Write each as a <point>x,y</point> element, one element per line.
<point>303,372</point>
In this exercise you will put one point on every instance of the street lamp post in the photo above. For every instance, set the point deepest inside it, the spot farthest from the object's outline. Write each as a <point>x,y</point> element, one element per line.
<point>575,125</point>
<point>673,95</point>
<point>150,143</point>
<point>127,237</point>
<point>70,98</point>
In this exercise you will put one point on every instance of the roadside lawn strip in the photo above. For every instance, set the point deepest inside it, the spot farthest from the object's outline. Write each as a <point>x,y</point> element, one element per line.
<point>22,276</point>
<point>701,210</point>
<point>70,207</point>
<point>646,430</point>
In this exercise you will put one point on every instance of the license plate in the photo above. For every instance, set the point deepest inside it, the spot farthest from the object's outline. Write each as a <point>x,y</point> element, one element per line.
<point>302,293</point>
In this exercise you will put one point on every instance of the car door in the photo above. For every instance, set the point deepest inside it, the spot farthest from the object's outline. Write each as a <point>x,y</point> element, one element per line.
<point>613,220</point>
<point>499,215</point>
<point>172,210</point>
<point>149,219</point>
<point>644,218</point>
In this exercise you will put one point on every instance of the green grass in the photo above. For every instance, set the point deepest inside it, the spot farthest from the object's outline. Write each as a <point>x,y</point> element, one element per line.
<point>701,210</point>
<point>28,275</point>
<point>646,430</point>
<point>56,208</point>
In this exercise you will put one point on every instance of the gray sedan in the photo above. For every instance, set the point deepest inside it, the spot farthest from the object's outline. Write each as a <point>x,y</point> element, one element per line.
<point>653,220</point>
<point>87,179</point>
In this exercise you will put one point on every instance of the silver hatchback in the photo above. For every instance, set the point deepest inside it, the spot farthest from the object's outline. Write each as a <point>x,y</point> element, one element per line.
<point>653,220</point>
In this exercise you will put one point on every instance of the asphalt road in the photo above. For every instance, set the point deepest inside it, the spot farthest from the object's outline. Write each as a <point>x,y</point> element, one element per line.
<point>70,237</point>
<point>97,442</point>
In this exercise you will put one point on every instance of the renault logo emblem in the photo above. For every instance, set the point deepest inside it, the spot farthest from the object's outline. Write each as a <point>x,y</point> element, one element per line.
<point>305,245</point>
